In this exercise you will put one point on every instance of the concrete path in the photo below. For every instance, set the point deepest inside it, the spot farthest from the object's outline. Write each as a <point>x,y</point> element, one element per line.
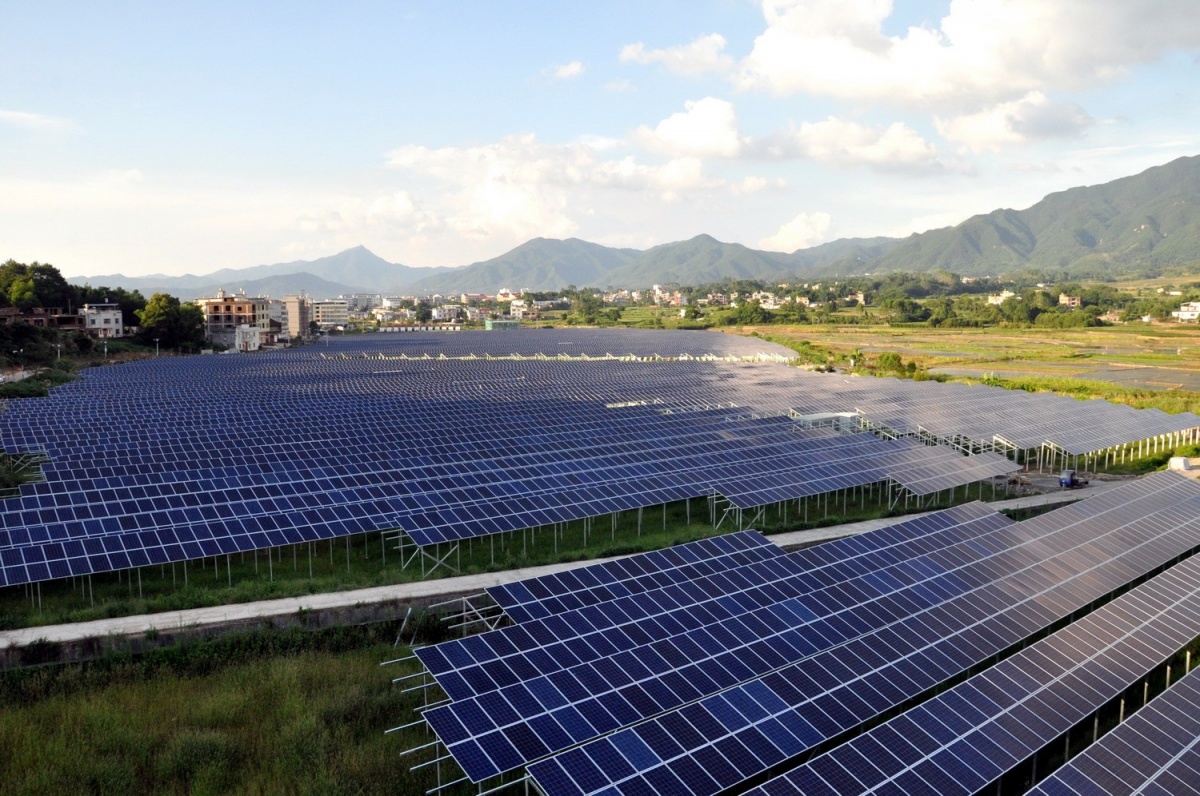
<point>431,590</point>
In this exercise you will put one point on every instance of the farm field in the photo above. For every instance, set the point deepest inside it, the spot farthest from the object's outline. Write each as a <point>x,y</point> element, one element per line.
<point>1141,358</point>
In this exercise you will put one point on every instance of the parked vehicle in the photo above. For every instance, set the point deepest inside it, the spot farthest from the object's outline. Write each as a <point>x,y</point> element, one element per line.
<point>1069,479</point>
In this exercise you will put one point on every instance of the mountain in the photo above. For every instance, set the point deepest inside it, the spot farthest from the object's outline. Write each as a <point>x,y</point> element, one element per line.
<point>538,264</point>
<point>700,259</point>
<point>1136,224</point>
<point>366,271</point>
<point>1151,219</point>
<point>356,270</point>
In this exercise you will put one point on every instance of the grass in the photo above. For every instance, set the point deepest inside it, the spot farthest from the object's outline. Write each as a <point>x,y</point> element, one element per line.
<point>264,713</point>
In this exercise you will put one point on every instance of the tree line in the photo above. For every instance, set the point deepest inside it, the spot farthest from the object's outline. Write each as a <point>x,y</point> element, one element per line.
<point>26,287</point>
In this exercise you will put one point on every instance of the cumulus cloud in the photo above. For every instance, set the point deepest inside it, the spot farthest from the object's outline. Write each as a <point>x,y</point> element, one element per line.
<point>840,142</point>
<point>705,54</point>
<point>706,128</point>
<point>1034,117</point>
<point>568,71</point>
<point>519,187</point>
<point>981,53</point>
<point>802,232</point>
<point>24,120</point>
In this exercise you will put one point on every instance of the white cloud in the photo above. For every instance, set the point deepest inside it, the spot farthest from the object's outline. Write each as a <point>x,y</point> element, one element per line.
<point>752,184</point>
<point>706,128</point>
<point>24,120</point>
<point>619,87</point>
<point>568,71</point>
<point>519,187</point>
<point>705,54</point>
<point>839,142</point>
<point>983,51</point>
<point>802,232</point>
<point>1032,118</point>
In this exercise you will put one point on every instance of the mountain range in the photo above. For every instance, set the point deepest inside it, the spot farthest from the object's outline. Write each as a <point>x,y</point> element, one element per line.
<point>1141,223</point>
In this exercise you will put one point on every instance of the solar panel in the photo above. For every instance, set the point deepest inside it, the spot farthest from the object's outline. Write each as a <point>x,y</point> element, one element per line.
<point>541,597</point>
<point>931,636</point>
<point>686,613</point>
<point>987,726</point>
<point>1156,751</point>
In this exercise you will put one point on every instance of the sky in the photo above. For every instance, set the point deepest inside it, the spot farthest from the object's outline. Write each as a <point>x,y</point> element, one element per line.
<point>172,137</point>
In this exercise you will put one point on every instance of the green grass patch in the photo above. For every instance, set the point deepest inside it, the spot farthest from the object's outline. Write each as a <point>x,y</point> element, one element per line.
<point>269,713</point>
<point>1172,401</point>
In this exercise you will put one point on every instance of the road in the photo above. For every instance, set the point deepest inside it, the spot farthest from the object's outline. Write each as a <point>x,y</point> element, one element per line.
<point>431,590</point>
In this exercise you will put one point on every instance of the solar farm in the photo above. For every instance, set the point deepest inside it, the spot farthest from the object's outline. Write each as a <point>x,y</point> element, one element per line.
<point>951,652</point>
<point>959,652</point>
<point>437,439</point>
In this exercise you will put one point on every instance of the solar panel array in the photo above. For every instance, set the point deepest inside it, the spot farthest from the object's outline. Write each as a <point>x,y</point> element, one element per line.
<point>1155,752</point>
<point>965,739</point>
<point>982,413</point>
<point>182,458</point>
<point>677,641</point>
<point>925,634</point>
<point>727,669</point>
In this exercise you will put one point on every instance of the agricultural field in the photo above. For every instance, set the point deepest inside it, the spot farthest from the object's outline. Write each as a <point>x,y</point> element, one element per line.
<point>1140,364</point>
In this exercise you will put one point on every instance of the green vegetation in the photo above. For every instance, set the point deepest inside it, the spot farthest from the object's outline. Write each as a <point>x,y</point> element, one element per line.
<point>288,711</point>
<point>172,324</point>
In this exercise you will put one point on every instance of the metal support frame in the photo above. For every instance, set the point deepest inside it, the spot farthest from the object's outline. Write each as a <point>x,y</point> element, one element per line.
<point>487,612</point>
<point>411,551</point>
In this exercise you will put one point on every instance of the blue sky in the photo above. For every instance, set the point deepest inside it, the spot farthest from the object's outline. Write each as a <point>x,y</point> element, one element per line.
<point>184,137</point>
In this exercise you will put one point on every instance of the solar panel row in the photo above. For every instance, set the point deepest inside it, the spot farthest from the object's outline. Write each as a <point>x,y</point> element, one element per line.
<point>719,741</point>
<point>1155,752</point>
<point>680,613</point>
<point>548,595</point>
<point>965,739</point>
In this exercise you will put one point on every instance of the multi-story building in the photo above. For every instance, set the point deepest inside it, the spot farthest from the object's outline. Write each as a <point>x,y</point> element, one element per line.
<point>1188,312</point>
<point>331,312</point>
<point>103,320</point>
<point>50,318</point>
<point>297,314</point>
<point>224,313</point>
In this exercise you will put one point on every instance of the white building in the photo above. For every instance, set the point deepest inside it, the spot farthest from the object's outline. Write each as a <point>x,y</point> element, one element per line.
<point>996,299</point>
<point>103,320</point>
<point>248,338</point>
<point>1188,312</point>
<point>331,312</point>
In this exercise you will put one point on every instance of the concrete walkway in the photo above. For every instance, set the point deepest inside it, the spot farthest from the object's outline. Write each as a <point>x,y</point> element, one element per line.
<point>431,590</point>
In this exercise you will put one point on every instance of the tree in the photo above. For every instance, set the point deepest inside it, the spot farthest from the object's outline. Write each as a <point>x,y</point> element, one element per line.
<point>174,325</point>
<point>586,307</point>
<point>424,312</point>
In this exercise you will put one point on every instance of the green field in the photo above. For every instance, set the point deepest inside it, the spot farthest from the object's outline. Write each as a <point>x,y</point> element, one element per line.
<point>268,712</point>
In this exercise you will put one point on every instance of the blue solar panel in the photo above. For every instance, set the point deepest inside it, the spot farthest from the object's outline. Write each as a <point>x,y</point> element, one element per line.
<point>1045,690</point>
<point>538,598</point>
<point>178,458</point>
<point>1064,561</point>
<point>1155,752</point>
